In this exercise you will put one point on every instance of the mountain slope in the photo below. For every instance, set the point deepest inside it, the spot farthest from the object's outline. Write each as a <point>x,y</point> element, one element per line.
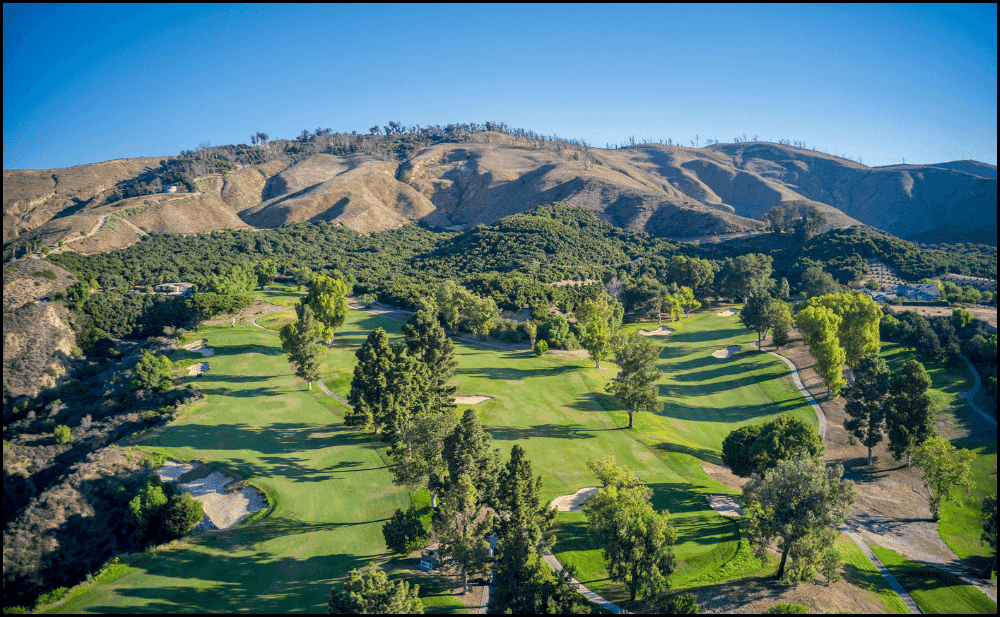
<point>668,191</point>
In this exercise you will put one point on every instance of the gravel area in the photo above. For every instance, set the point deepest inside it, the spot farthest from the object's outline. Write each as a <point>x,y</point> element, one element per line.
<point>727,313</point>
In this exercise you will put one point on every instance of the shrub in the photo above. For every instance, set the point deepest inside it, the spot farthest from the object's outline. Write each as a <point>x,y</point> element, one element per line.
<point>404,532</point>
<point>541,347</point>
<point>62,434</point>
<point>181,514</point>
<point>786,608</point>
<point>679,604</point>
<point>47,274</point>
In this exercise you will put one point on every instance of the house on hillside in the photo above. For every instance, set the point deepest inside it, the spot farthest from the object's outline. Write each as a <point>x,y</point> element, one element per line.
<point>170,188</point>
<point>175,289</point>
<point>923,292</point>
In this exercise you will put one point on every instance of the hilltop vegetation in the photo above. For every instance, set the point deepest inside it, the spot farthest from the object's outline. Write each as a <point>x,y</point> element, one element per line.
<point>461,175</point>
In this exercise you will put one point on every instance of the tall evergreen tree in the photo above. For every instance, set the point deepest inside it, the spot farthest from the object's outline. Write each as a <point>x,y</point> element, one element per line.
<point>427,341</point>
<point>867,399</point>
<point>418,450</point>
<point>369,388</point>
<point>910,417</point>
<point>523,517</point>
<point>468,450</point>
<point>463,541</point>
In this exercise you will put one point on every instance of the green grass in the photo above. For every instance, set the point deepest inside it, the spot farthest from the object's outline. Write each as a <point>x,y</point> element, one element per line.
<point>332,491</point>
<point>281,294</point>
<point>946,382</point>
<point>436,599</point>
<point>960,527</point>
<point>934,591</point>
<point>862,573</point>
<point>275,321</point>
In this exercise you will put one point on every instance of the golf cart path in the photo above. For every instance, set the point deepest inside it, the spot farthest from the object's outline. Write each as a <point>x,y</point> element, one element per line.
<point>916,540</point>
<point>970,396</point>
<point>586,593</point>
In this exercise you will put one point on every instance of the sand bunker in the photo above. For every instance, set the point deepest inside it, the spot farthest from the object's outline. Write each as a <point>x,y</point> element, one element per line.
<point>726,505</point>
<point>574,502</point>
<point>197,370</point>
<point>663,331</point>
<point>198,346</point>
<point>725,353</point>
<point>727,313</point>
<point>222,509</point>
<point>470,400</point>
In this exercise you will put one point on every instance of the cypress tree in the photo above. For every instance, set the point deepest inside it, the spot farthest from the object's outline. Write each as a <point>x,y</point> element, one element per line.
<point>370,394</point>
<point>468,450</point>
<point>427,342</point>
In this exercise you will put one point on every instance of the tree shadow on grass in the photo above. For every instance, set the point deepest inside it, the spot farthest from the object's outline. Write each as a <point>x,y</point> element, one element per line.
<point>732,414</point>
<point>509,374</point>
<point>703,454</point>
<point>275,439</point>
<point>237,583</point>
<point>552,431</point>
<point>241,350</point>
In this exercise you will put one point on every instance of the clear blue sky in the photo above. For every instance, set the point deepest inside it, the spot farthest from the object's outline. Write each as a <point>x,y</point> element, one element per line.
<point>88,83</point>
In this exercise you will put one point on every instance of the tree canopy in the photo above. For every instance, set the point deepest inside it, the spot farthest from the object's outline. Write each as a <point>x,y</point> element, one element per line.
<point>369,591</point>
<point>756,448</point>
<point>633,386</point>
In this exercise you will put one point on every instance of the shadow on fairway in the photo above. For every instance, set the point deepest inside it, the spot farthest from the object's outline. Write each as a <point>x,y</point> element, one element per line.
<point>228,583</point>
<point>552,431</point>
<point>244,350</point>
<point>509,374</point>
<point>277,438</point>
<point>733,413</point>
<point>703,454</point>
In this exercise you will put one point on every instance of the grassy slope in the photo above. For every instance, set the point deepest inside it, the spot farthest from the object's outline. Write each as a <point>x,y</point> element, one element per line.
<point>946,383</point>
<point>960,526</point>
<point>862,572</point>
<point>332,486</point>
<point>933,590</point>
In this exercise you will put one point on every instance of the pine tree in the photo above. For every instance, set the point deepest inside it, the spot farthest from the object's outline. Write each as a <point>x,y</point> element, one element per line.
<point>463,542</point>
<point>468,450</point>
<point>427,341</point>
<point>369,388</point>
<point>867,399</point>
<point>910,417</point>
<point>298,340</point>
<point>633,385</point>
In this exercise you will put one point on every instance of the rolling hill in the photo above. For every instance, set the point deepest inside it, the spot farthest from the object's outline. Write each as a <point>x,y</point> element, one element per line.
<point>668,191</point>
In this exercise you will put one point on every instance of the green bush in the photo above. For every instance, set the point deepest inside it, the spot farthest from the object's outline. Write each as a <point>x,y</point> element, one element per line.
<point>62,434</point>
<point>46,274</point>
<point>786,608</point>
<point>541,347</point>
<point>405,532</point>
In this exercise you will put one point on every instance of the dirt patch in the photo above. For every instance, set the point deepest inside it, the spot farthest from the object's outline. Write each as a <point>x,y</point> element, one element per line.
<point>197,370</point>
<point>727,313</point>
<point>663,331</point>
<point>982,313</point>
<point>891,509</point>
<point>568,353</point>
<point>574,502</point>
<point>753,595</point>
<point>471,400</point>
<point>724,354</point>
<point>724,475</point>
<point>222,509</point>
<point>726,505</point>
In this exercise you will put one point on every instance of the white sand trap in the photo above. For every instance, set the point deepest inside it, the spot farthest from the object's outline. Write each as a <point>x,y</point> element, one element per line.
<point>196,370</point>
<point>471,400</point>
<point>199,347</point>
<point>222,509</point>
<point>726,505</point>
<point>172,470</point>
<point>663,331</point>
<point>727,313</point>
<point>725,353</point>
<point>574,502</point>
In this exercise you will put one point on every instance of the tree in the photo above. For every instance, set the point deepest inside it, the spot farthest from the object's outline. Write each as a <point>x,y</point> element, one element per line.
<point>959,318</point>
<point>677,604</point>
<point>449,301</point>
<point>910,416</point>
<point>209,304</point>
<point>633,386</point>
<point>151,373</point>
<point>598,322</point>
<point>867,399</point>
<point>375,360</point>
<point>482,314</point>
<point>635,539</point>
<point>298,340</point>
<point>784,290</point>
<point>756,314</point>
<point>328,299</point>
<point>858,330</point>
<point>427,342</point>
<point>462,541</point>
<point>62,434</point>
<point>817,282</point>
<point>745,273</point>
<point>418,449</point>
<point>541,347</point>
<point>181,514</point>
<point>872,284</point>
<point>265,271</point>
<point>781,323</point>
<point>756,448</point>
<point>404,532</point>
<point>989,523</point>
<point>555,332</point>
<point>469,451</point>
<point>819,324</point>
<point>523,517</point>
<point>688,302</point>
<point>944,467</point>
<point>370,592</point>
<point>798,504</point>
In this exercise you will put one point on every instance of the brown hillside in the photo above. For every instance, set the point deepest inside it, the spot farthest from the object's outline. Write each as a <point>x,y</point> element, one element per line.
<point>668,191</point>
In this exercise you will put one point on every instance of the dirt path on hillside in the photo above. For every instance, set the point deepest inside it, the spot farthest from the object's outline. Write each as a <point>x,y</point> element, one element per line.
<point>892,509</point>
